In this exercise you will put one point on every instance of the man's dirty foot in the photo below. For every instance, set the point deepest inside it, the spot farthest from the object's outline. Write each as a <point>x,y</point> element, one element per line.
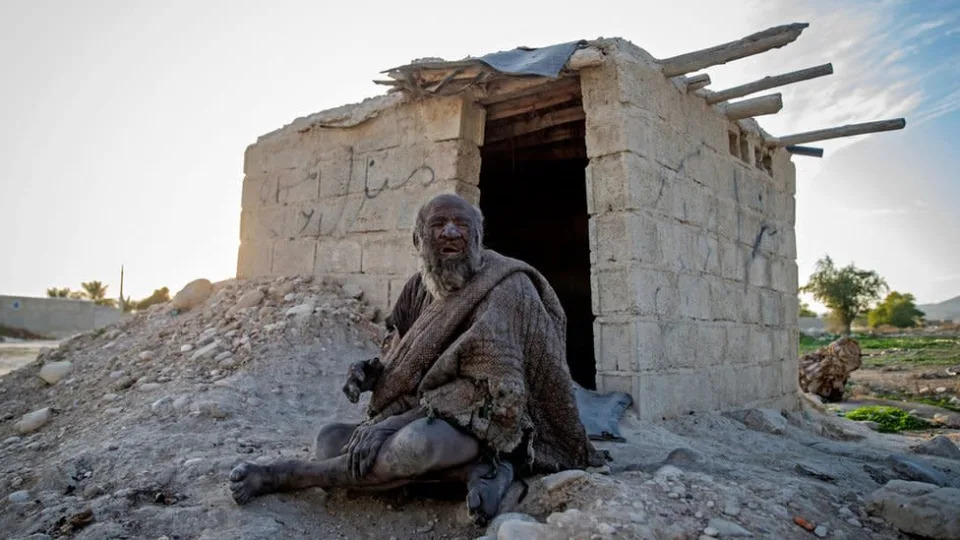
<point>248,480</point>
<point>485,490</point>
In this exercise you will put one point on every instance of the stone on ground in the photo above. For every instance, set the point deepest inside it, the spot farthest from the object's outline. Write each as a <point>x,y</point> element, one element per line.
<point>918,508</point>
<point>192,294</point>
<point>938,446</point>
<point>33,421</point>
<point>54,372</point>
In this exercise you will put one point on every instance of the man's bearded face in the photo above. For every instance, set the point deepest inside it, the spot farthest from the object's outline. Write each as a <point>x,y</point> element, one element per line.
<point>448,239</point>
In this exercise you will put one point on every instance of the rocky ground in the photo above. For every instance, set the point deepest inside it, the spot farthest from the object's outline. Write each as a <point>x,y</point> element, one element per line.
<point>130,432</point>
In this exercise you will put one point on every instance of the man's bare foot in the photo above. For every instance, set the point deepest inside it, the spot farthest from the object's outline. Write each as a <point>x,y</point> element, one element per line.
<point>486,488</point>
<point>248,480</point>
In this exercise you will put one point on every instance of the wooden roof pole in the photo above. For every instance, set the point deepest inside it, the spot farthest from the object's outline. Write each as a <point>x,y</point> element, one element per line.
<point>772,38</point>
<point>769,82</point>
<point>842,131</point>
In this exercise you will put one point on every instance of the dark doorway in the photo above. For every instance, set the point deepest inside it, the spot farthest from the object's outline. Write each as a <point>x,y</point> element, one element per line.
<point>533,197</point>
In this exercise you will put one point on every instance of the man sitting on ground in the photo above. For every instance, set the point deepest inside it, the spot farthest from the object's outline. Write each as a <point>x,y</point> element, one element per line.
<point>474,386</point>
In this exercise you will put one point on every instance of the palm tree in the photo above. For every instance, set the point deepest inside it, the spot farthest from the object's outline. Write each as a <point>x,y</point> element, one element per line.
<point>97,291</point>
<point>56,292</point>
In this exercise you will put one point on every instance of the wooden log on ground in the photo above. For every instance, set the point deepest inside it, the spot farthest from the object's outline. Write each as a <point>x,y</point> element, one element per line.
<point>772,38</point>
<point>837,132</point>
<point>748,108</point>
<point>809,151</point>
<point>696,82</point>
<point>767,83</point>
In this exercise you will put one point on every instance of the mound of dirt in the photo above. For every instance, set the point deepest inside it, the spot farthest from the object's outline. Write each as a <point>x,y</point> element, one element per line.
<point>143,421</point>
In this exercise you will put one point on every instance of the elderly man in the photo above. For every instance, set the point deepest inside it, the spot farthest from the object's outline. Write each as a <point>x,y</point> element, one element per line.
<point>474,386</point>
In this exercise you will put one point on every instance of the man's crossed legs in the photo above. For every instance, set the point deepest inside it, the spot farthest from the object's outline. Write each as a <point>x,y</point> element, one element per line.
<point>390,454</point>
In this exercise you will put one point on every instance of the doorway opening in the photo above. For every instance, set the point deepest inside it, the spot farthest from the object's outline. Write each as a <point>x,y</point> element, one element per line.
<point>534,201</point>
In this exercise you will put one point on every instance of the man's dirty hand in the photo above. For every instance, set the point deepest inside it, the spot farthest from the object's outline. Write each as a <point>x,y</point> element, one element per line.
<point>365,444</point>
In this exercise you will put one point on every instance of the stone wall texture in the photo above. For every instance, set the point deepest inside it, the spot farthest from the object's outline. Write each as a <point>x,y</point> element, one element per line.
<point>342,202</point>
<point>693,250</point>
<point>694,279</point>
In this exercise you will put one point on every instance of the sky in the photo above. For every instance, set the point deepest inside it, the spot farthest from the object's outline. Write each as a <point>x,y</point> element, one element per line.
<point>123,122</point>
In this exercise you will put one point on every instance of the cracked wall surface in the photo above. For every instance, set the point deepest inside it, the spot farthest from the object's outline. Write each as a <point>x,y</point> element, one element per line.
<point>342,201</point>
<point>692,248</point>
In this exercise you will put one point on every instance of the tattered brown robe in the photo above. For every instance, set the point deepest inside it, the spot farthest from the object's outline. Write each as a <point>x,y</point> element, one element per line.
<point>491,359</point>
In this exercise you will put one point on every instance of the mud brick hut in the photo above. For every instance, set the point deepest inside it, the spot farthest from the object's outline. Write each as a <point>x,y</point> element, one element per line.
<point>659,210</point>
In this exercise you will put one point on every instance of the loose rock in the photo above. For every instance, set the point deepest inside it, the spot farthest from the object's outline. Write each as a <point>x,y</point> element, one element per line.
<point>166,402</point>
<point>352,291</point>
<point>33,421</point>
<point>918,508</point>
<point>146,355</point>
<point>728,528</point>
<point>560,479</point>
<point>820,531</point>
<point>54,372</point>
<point>192,295</point>
<point>21,496</point>
<point>211,409</point>
<point>913,469</point>
<point>301,310</point>
<point>523,530</point>
<point>207,351</point>
<point>494,528</point>
<point>248,300</point>
<point>939,446</point>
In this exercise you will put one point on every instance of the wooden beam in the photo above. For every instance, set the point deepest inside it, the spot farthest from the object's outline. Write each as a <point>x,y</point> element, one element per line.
<point>842,131</point>
<point>696,82</point>
<point>507,88</point>
<point>550,119</point>
<point>748,108</point>
<point>767,83</point>
<point>568,91</point>
<point>771,38</point>
<point>564,132</point>
<point>805,151</point>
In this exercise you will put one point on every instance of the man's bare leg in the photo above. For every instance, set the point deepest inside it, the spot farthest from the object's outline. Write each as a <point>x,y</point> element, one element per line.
<point>416,449</point>
<point>331,439</point>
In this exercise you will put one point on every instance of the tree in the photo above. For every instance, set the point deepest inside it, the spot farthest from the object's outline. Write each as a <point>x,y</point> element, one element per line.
<point>97,291</point>
<point>847,291</point>
<point>55,292</point>
<point>805,310</point>
<point>159,296</point>
<point>897,309</point>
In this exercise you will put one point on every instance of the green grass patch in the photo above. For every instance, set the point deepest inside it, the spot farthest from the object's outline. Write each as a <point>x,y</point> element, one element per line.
<point>908,342</point>
<point>890,419</point>
<point>898,350</point>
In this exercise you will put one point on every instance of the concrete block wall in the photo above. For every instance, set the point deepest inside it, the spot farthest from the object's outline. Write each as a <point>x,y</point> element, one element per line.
<point>692,247</point>
<point>342,201</point>
<point>55,317</point>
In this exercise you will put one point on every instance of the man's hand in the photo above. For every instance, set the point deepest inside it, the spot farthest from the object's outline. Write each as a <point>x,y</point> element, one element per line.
<point>364,445</point>
<point>361,377</point>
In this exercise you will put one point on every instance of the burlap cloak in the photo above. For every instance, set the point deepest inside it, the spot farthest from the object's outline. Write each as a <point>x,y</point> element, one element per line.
<point>491,359</point>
